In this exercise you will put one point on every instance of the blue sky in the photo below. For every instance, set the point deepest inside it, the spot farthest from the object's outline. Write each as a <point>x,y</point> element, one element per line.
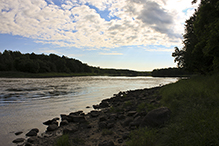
<point>123,34</point>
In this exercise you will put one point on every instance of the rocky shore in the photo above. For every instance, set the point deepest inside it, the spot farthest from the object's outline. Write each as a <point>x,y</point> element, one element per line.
<point>109,124</point>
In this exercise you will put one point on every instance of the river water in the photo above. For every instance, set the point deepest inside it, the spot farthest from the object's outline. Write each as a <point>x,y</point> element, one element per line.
<point>26,103</point>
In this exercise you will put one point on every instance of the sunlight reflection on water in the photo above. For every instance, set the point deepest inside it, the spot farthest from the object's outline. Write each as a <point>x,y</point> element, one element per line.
<point>26,103</point>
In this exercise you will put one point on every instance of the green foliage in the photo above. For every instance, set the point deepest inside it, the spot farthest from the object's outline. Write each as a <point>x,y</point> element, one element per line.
<point>170,72</point>
<point>127,103</point>
<point>115,109</point>
<point>78,141</point>
<point>143,137</point>
<point>145,106</point>
<point>200,52</point>
<point>33,63</point>
<point>194,105</point>
<point>63,141</point>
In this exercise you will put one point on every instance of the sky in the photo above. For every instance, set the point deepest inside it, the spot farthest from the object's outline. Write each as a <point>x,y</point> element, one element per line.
<point>123,34</point>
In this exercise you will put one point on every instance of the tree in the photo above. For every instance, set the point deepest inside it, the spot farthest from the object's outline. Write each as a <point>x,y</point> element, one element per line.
<point>200,52</point>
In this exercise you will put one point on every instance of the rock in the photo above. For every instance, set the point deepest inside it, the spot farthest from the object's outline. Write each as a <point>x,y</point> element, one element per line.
<point>76,113</point>
<point>136,122</point>
<point>103,118</point>
<point>110,125</point>
<point>120,140</point>
<point>156,117</point>
<point>131,113</point>
<point>106,143</point>
<point>33,132</point>
<point>127,121</point>
<point>31,139</point>
<point>125,135</point>
<point>18,140</point>
<point>96,106</point>
<point>64,122</point>
<point>50,122</point>
<point>102,124</point>
<point>64,117</point>
<point>87,106</point>
<point>18,133</point>
<point>69,130</point>
<point>94,113</point>
<point>28,144</point>
<point>76,119</point>
<point>52,127</point>
<point>104,104</point>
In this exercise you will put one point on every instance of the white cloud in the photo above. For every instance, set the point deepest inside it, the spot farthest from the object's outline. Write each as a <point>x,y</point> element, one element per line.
<point>74,24</point>
<point>111,53</point>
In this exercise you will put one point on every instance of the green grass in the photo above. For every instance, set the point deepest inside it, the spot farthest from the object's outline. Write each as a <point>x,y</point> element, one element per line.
<point>194,104</point>
<point>143,137</point>
<point>63,141</point>
<point>195,112</point>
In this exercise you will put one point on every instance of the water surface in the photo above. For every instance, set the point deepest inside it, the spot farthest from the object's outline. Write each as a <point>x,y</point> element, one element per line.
<point>26,103</point>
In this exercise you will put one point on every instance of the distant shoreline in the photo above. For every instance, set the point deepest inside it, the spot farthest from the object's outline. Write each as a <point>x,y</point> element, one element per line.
<point>15,74</point>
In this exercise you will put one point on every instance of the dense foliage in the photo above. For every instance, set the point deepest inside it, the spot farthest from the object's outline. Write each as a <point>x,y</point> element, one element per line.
<point>169,72</point>
<point>33,63</point>
<point>200,52</point>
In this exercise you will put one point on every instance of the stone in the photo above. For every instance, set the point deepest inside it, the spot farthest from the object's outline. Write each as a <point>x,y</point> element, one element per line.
<point>120,140</point>
<point>136,122</point>
<point>18,140</point>
<point>156,117</point>
<point>28,144</point>
<point>125,135</point>
<point>64,117</point>
<point>127,121</point>
<point>94,113</point>
<point>69,130</point>
<point>64,122</point>
<point>50,122</point>
<point>76,119</point>
<point>131,113</point>
<point>18,133</point>
<point>96,106</point>
<point>104,104</point>
<point>76,113</point>
<point>31,139</point>
<point>87,106</point>
<point>33,132</point>
<point>106,143</point>
<point>52,127</point>
<point>110,125</point>
<point>103,118</point>
<point>102,124</point>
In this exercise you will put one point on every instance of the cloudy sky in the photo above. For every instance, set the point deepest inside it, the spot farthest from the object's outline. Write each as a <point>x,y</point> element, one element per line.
<point>123,34</point>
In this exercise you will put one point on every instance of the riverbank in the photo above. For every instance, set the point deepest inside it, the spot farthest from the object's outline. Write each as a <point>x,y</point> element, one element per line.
<point>182,113</point>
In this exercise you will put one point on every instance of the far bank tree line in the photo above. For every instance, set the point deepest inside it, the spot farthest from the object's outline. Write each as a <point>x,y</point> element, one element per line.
<point>41,63</point>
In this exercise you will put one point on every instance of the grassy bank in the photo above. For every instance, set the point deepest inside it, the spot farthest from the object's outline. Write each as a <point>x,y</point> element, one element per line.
<point>194,121</point>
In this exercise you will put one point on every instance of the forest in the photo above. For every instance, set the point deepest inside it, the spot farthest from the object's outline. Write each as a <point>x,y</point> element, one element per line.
<point>200,51</point>
<point>40,63</point>
<point>170,72</point>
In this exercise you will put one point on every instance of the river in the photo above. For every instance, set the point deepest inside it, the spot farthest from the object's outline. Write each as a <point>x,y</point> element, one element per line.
<point>25,103</point>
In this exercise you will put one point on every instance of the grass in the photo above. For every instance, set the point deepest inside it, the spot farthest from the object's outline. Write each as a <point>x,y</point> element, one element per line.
<point>63,141</point>
<point>194,104</point>
<point>143,137</point>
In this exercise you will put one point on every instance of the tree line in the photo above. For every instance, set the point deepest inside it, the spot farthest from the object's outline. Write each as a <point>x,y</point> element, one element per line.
<point>41,63</point>
<point>170,72</point>
<point>200,51</point>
